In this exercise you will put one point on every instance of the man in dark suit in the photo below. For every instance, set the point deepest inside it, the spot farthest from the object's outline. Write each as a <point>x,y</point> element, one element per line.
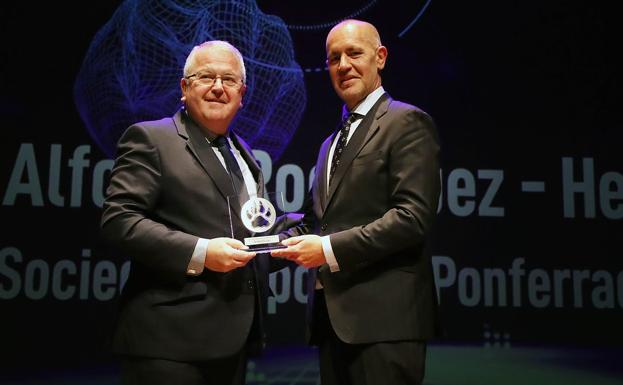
<point>190,310</point>
<point>372,298</point>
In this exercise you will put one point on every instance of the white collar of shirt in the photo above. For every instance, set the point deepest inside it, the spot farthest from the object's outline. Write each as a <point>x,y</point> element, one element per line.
<point>366,104</point>
<point>362,109</point>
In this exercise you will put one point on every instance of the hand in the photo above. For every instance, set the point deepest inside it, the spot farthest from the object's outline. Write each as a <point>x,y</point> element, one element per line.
<point>305,250</point>
<point>226,254</point>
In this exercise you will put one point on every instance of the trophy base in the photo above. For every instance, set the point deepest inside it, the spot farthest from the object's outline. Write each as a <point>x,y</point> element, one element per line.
<point>263,244</point>
<point>265,249</point>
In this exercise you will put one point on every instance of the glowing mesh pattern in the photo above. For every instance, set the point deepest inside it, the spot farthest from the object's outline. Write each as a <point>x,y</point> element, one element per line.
<point>132,69</point>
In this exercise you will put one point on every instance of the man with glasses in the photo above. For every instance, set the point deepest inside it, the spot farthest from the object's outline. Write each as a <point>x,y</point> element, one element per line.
<point>190,311</point>
<point>371,295</point>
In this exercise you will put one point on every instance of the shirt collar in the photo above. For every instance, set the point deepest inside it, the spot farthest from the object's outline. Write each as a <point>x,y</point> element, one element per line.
<point>209,135</point>
<point>366,104</point>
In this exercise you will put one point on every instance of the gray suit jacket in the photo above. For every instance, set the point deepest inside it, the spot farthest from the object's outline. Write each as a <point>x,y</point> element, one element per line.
<point>378,212</point>
<point>168,188</point>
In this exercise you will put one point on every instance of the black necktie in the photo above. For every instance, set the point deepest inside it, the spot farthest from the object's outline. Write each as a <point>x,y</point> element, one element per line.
<point>341,144</point>
<point>237,181</point>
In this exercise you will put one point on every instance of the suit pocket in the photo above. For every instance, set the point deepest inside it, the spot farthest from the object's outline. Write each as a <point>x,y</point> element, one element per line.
<point>365,158</point>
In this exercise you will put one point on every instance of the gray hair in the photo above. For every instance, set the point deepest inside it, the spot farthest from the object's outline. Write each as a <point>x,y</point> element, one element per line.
<point>191,56</point>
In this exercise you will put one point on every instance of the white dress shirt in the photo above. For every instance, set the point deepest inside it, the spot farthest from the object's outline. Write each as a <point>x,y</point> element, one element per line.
<point>362,109</point>
<point>197,261</point>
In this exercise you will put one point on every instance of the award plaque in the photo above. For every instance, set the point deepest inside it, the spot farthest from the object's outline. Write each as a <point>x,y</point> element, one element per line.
<point>258,215</point>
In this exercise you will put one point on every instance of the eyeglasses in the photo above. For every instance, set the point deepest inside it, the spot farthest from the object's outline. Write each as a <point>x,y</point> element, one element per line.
<point>208,79</point>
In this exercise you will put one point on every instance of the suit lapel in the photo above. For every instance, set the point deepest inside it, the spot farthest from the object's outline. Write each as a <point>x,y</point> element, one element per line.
<point>202,150</point>
<point>365,131</point>
<point>383,106</point>
<point>321,171</point>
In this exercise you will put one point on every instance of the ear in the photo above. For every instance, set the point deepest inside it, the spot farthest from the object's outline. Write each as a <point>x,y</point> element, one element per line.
<point>243,89</point>
<point>184,88</point>
<point>381,56</point>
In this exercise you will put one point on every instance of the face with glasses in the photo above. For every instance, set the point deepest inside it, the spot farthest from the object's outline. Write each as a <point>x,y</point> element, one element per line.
<point>212,92</point>
<point>207,78</point>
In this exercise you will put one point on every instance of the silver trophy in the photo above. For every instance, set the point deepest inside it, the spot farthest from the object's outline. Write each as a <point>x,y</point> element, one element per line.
<point>258,215</point>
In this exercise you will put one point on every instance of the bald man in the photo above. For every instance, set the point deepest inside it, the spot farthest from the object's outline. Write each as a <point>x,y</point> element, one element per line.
<point>367,222</point>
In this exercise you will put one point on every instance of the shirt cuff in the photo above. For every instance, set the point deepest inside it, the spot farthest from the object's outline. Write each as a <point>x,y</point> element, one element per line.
<point>197,261</point>
<point>328,254</point>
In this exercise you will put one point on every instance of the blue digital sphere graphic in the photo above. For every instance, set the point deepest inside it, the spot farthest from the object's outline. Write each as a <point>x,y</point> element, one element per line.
<point>131,71</point>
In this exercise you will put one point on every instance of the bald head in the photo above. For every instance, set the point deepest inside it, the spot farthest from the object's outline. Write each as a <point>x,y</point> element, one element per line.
<point>355,58</point>
<point>362,29</point>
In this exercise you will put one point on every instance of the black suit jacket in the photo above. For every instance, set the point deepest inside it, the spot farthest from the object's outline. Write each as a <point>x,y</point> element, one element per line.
<point>167,189</point>
<point>379,211</point>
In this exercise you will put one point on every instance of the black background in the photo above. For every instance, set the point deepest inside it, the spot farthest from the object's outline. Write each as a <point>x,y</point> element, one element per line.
<point>512,86</point>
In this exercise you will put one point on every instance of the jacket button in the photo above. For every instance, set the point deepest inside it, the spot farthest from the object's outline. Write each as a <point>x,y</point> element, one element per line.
<point>323,227</point>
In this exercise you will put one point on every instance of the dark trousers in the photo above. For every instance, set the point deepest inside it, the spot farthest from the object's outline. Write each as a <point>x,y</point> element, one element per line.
<point>380,363</point>
<point>148,371</point>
